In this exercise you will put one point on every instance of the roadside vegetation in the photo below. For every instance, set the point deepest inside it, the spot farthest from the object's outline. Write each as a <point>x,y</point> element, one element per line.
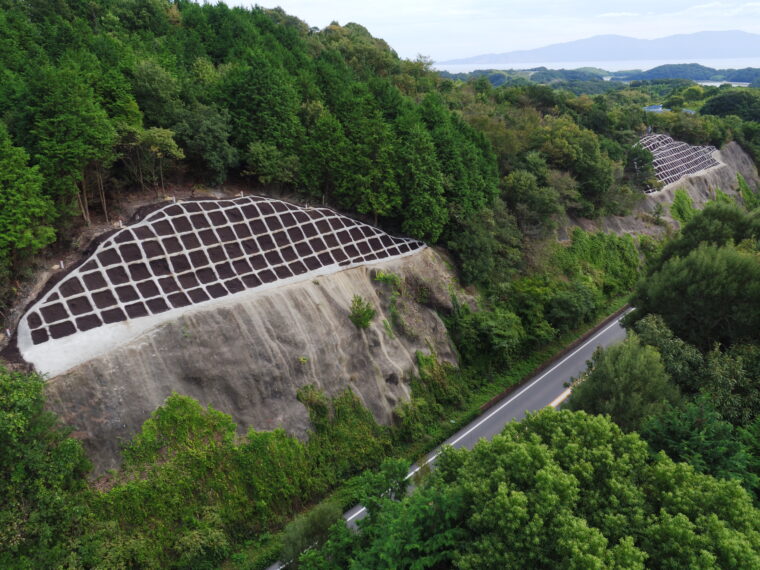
<point>151,94</point>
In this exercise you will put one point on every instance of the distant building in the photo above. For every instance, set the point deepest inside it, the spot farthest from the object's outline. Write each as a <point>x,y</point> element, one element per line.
<point>655,109</point>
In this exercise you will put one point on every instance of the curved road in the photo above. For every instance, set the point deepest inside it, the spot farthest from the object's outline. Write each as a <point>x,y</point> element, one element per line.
<point>545,389</point>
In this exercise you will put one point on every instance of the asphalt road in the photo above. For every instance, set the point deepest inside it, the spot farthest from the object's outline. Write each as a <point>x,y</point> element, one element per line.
<point>546,389</point>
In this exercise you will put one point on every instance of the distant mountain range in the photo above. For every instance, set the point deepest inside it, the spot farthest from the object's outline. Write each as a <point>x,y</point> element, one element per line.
<point>700,45</point>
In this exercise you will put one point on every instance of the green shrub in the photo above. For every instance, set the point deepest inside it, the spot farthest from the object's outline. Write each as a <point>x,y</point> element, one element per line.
<point>362,312</point>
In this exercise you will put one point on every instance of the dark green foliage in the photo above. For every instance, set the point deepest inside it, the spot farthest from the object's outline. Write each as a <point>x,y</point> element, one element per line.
<point>627,381</point>
<point>744,103</point>
<point>556,489</point>
<point>362,312</point>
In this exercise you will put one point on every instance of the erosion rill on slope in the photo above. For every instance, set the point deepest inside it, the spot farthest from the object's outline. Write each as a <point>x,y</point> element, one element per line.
<point>237,303</point>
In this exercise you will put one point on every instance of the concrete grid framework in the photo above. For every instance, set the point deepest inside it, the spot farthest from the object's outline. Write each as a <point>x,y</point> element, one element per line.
<point>192,252</point>
<point>673,160</point>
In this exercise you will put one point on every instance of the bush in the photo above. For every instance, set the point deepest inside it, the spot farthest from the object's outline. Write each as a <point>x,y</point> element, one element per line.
<point>362,312</point>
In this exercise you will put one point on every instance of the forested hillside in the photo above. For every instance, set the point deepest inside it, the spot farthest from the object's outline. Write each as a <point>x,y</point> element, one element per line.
<point>107,100</point>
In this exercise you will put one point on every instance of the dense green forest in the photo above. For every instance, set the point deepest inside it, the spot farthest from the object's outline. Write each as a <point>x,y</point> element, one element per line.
<point>133,97</point>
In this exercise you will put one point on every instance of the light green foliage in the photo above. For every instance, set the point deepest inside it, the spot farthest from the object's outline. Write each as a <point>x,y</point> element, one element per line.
<point>627,381</point>
<point>556,489</point>
<point>682,208</point>
<point>751,198</point>
<point>362,312</point>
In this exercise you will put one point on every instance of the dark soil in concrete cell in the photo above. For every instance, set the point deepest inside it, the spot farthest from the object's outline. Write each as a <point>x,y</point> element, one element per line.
<point>375,244</point>
<point>147,289</point>
<point>309,230</point>
<point>103,299</point>
<point>187,281</point>
<point>312,263</point>
<point>225,234</point>
<point>363,247</point>
<point>233,250</point>
<point>371,257</point>
<point>136,310</point>
<point>258,227</point>
<point>113,316</point>
<point>180,263</point>
<point>224,270</point>
<point>339,255</point>
<point>138,271</point>
<point>55,312</point>
<point>198,295</point>
<point>216,254</point>
<point>234,215</point>
<point>351,250</point>
<point>179,300</point>
<point>152,248</point>
<point>79,305</point>
<point>325,259</point>
<point>393,251</point>
<point>323,226</point>
<point>280,207</point>
<point>242,231</point>
<point>273,258</point>
<point>250,246</point>
<point>53,297</point>
<point>123,236</point>
<point>267,276</point>
<point>209,205</point>
<point>216,290</point>
<point>129,252</point>
<point>317,244</point>
<point>117,275</point>
<point>234,286</point>
<point>336,223</point>
<point>405,248</point>
<point>343,237</point>
<point>282,272</point>
<point>71,286</point>
<point>89,266</point>
<point>94,281</point>
<point>208,237</point>
<point>386,240</point>
<point>109,257</point>
<point>369,232</point>
<point>181,224</point>
<point>190,241</point>
<point>251,281</point>
<point>265,242</point>
<point>330,241</point>
<point>198,259</point>
<point>241,266</point>
<point>301,217</point>
<point>168,285</point>
<point>303,249</point>
<point>288,253</point>
<point>39,336</point>
<point>33,320</point>
<point>288,219</point>
<point>172,245</point>
<point>314,214</point>
<point>258,262</point>
<point>217,218</point>
<point>157,305</point>
<point>295,234</point>
<point>265,208</point>
<point>144,232</point>
<point>281,239</point>
<point>199,221</point>
<point>191,207</point>
<point>205,275</point>
<point>88,322</point>
<point>160,267</point>
<point>250,212</point>
<point>63,329</point>
<point>356,233</point>
<point>274,223</point>
<point>163,228</point>
<point>173,210</point>
<point>298,268</point>
<point>127,294</point>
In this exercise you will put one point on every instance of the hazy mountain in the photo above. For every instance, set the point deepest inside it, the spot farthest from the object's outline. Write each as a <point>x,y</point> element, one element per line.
<point>729,44</point>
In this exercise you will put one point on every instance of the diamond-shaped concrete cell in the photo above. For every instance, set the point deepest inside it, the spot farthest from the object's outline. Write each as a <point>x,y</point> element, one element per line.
<point>189,254</point>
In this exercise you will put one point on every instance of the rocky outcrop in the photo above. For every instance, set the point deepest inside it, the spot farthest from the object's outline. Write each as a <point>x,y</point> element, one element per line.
<point>250,356</point>
<point>700,188</point>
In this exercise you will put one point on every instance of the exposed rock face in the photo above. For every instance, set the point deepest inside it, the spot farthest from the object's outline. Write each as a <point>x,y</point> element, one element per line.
<point>249,357</point>
<point>700,187</point>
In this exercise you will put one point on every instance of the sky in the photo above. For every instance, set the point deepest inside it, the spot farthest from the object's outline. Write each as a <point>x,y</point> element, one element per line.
<point>452,29</point>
